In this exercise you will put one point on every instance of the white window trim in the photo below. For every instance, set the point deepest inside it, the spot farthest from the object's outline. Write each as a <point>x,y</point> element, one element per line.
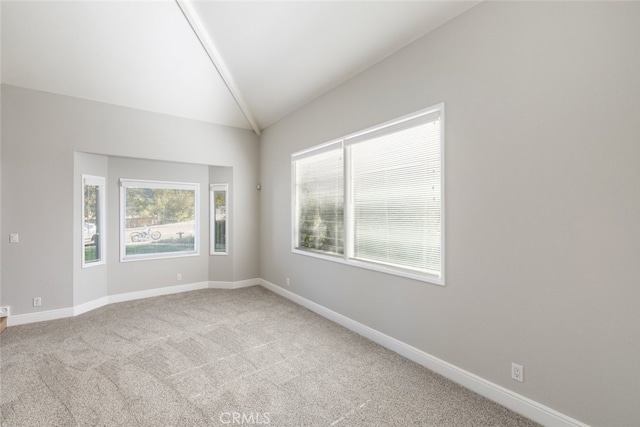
<point>140,183</point>
<point>99,181</point>
<point>212,219</point>
<point>346,258</point>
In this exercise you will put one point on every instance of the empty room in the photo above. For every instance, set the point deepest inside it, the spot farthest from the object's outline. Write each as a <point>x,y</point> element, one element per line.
<point>319,213</point>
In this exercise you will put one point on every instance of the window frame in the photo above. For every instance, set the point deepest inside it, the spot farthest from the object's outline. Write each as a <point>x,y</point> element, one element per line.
<point>145,183</point>
<point>100,182</point>
<point>213,188</point>
<point>346,257</point>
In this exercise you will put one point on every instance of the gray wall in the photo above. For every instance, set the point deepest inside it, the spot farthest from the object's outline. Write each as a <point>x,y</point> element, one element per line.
<point>89,283</point>
<point>150,274</point>
<point>37,202</point>
<point>42,133</point>
<point>542,201</point>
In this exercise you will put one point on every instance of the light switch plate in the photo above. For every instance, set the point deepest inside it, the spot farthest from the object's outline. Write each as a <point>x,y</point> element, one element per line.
<point>13,238</point>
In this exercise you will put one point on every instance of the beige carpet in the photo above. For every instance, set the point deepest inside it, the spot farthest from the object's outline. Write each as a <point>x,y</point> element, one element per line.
<point>220,358</point>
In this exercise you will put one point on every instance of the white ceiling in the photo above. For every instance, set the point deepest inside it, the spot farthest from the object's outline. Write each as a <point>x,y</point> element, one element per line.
<point>145,55</point>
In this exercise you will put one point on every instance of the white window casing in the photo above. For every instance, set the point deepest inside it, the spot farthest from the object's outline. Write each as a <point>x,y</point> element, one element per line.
<point>158,219</point>
<point>219,219</point>
<point>93,221</point>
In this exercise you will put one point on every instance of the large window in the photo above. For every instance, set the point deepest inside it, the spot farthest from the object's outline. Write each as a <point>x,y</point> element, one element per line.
<point>93,220</point>
<point>374,198</point>
<point>158,219</point>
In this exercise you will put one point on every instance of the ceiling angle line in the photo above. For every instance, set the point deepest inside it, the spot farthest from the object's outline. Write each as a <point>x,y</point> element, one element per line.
<point>217,62</point>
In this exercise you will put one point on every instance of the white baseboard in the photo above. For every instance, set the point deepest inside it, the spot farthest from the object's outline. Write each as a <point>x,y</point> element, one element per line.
<point>234,285</point>
<point>156,292</point>
<point>90,305</point>
<point>505,397</point>
<point>41,316</point>
<point>514,401</point>
<point>220,285</point>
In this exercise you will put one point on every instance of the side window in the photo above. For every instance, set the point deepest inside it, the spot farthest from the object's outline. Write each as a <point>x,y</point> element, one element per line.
<point>219,211</point>
<point>93,220</point>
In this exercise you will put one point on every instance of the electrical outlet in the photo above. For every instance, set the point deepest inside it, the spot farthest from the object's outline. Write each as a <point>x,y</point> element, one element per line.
<point>179,276</point>
<point>4,311</point>
<point>288,282</point>
<point>37,301</point>
<point>14,238</point>
<point>517,372</point>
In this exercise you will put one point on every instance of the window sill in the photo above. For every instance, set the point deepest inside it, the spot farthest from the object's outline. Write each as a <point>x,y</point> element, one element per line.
<point>131,258</point>
<point>93,264</point>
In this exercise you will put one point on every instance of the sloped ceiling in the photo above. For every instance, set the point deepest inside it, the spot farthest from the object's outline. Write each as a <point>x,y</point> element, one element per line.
<point>146,55</point>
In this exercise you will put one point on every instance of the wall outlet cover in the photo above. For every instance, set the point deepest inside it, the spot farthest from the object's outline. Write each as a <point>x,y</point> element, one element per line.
<point>517,372</point>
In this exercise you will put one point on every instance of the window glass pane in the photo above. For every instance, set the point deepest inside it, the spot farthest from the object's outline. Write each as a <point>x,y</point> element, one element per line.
<point>91,224</point>
<point>319,196</point>
<point>219,212</point>
<point>159,221</point>
<point>396,198</point>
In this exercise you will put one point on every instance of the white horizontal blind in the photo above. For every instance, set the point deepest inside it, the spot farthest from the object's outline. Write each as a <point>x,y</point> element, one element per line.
<point>319,195</point>
<point>395,195</point>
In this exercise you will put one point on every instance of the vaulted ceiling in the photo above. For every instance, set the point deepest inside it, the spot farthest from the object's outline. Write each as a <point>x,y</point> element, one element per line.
<point>240,64</point>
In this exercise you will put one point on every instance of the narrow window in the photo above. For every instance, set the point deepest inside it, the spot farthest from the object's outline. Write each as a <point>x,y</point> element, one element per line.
<point>158,219</point>
<point>219,218</point>
<point>93,220</point>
